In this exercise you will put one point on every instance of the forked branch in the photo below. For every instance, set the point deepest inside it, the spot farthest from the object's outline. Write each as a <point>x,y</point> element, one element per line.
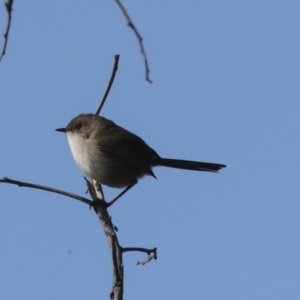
<point>112,240</point>
<point>152,253</point>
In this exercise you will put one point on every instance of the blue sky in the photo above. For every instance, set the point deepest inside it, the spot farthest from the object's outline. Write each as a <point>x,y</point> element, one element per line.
<point>226,90</point>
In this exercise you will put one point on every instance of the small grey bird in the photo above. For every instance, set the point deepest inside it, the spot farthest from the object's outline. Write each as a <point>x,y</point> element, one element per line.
<point>115,157</point>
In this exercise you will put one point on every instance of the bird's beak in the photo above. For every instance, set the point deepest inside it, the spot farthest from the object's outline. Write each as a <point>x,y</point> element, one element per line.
<point>61,129</point>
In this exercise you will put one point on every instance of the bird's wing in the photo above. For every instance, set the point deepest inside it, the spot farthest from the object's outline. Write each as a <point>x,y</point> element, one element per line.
<point>127,147</point>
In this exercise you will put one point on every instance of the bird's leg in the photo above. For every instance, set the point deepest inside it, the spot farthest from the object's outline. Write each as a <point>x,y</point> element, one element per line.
<point>120,195</point>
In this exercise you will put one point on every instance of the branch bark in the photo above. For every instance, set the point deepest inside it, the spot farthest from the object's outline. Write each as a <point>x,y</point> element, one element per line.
<point>112,240</point>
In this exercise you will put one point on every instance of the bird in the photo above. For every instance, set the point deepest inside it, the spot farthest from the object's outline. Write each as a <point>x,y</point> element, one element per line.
<point>116,157</point>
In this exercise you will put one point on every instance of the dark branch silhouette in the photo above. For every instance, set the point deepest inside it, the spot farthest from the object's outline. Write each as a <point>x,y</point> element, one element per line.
<point>111,80</point>
<point>152,253</point>
<point>46,188</point>
<point>8,5</point>
<point>139,37</point>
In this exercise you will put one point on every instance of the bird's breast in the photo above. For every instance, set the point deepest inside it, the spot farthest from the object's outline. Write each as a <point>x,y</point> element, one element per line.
<point>81,149</point>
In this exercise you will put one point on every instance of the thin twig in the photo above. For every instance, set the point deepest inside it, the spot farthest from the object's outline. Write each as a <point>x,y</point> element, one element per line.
<point>139,249</point>
<point>145,250</point>
<point>111,80</point>
<point>139,37</point>
<point>8,6</point>
<point>46,188</point>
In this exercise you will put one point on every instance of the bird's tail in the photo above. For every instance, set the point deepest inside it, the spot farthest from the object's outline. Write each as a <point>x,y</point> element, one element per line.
<point>190,165</point>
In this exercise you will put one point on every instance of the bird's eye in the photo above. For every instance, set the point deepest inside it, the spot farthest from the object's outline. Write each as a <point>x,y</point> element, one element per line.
<point>78,126</point>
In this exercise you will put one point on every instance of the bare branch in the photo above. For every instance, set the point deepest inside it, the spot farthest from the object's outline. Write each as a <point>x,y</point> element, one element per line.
<point>100,207</point>
<point>112,239</point>
<point>139,249</point>
<point>46,188</point>
<point>139,37</point>
<point>152,253</point>
<point>8,5</point>
<point>111,80</point>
